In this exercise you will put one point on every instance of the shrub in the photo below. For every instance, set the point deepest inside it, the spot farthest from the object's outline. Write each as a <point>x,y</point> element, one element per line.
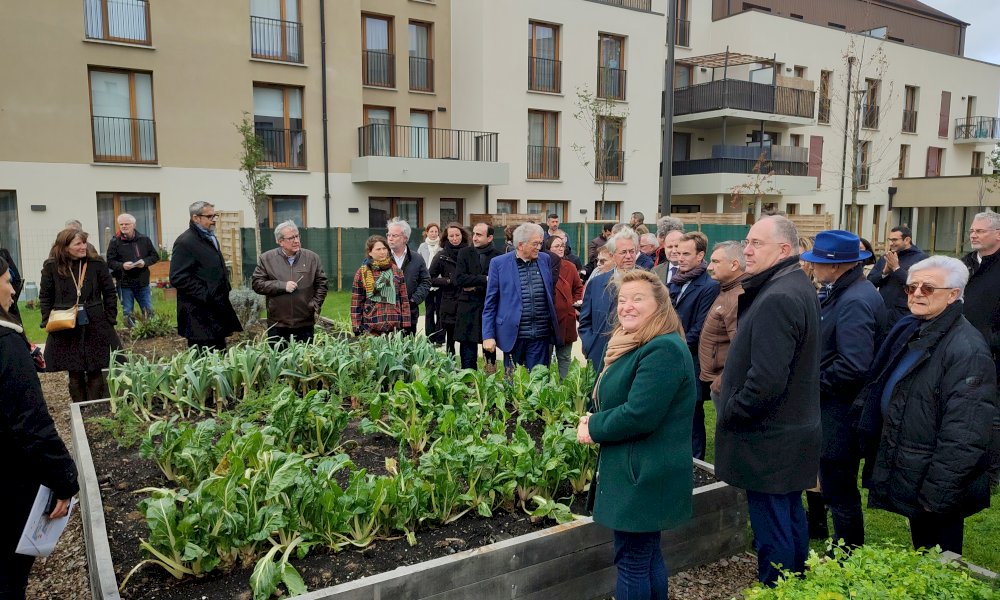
<point>248,305</point>
<point>156,324</point>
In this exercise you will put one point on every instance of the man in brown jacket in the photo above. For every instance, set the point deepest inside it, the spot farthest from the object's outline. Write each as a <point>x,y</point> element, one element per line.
<point>294,283</point>
<point>727,266</point>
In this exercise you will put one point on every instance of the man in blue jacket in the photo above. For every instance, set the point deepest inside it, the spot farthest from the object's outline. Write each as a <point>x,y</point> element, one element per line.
<point>852,320</point>
<point>889,273</point>
<point>600,298</point>
<point>519,316</point>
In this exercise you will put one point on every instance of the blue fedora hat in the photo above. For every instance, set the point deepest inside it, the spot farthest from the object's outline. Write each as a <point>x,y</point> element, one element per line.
<point>835,246</point>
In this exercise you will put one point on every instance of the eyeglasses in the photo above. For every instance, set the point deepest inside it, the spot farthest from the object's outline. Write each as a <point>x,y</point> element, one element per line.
<point>926,289</point>
<point>626,252</point>
<point>981,231</point>
<point>758,243</point>
<point>211,217</point>
<point>289,238</point>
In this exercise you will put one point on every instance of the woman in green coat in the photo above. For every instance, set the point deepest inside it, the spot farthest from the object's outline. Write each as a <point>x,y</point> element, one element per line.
<point>644,402</point>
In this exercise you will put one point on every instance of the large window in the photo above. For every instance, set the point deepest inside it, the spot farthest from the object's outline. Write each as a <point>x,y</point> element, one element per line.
<point>420,139</point>
<point>380,210</point>
<point>543,144</point>
<point>611,157</point>
<point>117,20</point>
<point>121,105</point>
<point>507,207</point>
<point>904,160</point>
<point>378,63</point>
<point>278,121</point>
<point>452,210</point>
<point>276,30</point>
<point>421,57</point>
<point>870,116</point>
<point>544,68</point>
<point>609,210</point>
<point>611,66</point>
<point>144,207</point>
<point>547,207</point>
<point>824,97</point>
<point>284,208</point>
<point>862,171</point>
<point>378,138</point>
<point>10,237</point>
<point>910,109</point>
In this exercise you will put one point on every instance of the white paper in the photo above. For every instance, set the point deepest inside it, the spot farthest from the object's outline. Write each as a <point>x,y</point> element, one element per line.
<point>40,532</point>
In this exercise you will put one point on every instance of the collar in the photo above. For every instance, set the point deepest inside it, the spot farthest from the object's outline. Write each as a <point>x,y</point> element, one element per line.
<point>10,325</point>
<point>202,230</point>
<point>782,267</point>
<point>849,277</point>
<point>733,284</point>
<point>931,331</point>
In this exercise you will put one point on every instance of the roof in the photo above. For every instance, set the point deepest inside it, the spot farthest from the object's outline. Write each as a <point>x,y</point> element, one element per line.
<point>719,60</point>
<point>920,7</point>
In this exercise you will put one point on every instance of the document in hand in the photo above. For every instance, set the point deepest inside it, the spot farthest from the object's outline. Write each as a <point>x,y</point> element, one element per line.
<point>41,533</point>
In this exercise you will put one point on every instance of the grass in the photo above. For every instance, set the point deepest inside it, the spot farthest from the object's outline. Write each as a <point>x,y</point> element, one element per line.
<point>982,530</point>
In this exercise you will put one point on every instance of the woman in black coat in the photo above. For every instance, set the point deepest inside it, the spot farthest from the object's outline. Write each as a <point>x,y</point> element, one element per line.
<point>33,453</point>
<point>442,270</point>
<point>85,349</point>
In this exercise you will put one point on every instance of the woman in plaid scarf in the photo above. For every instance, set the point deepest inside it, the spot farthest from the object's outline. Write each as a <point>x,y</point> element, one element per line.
<point>379,302</point>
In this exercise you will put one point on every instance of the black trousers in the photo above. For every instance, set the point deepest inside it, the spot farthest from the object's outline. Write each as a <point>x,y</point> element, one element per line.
<point>87,385</point>
<point>15,568</point>
<point>217,344</point>
<point>469,353</point>
<point>699,438</point>
<point>930,529</point>
<point>839,481</point>
<point>285,334</point>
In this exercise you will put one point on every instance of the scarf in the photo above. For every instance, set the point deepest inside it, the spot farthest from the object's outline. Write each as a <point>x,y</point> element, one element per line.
<point>620,344</point>
<point>379,288</point>
<point>682,277</point>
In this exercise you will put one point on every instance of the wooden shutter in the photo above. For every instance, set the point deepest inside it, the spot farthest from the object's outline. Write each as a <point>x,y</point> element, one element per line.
<point>816,158</point>
<point>933,162</point>
<point>945,114</point>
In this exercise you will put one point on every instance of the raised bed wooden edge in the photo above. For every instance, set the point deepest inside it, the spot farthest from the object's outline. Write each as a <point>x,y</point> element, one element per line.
<point>571,561</point>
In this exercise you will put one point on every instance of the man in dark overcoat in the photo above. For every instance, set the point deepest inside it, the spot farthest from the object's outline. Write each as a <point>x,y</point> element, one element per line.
<point>767,438</point>
<point>470,275</point>
<point>205,316</point>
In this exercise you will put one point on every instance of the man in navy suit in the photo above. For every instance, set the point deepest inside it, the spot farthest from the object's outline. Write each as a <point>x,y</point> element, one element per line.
<point>519,316</point>
<point>600,298</point>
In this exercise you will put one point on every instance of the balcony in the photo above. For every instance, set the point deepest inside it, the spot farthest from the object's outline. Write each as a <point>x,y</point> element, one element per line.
<point>274,39</point>
<point>283,148</point>
<point>611,167</point>
<point>611,83</point>
<point>643,5</point>
<point>124,140</point>
<point>124,21</point>
<point>544,75</point>
<point>404,154</point>
<point>682,33</point>
<point>909,121</point>
<point>730,166</point>
<point>977,130</point>
<point>378,68</point>
<point>543,162</point>
<point>746,101</point>
<point>421,74</point>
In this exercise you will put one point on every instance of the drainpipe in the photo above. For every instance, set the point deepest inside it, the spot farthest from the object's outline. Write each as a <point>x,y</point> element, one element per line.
<point>667,143</point>
<point>843,166</point>
<point>486,199</point>
<point>326,140</point>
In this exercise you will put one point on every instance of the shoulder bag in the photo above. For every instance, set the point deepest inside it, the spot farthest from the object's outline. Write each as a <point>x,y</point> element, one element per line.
<point>65,318</point>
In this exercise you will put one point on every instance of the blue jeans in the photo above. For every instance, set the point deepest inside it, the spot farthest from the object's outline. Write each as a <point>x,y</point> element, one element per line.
<point>140,295</point>
<point>642,574</point>
<point>780,533</point>
<point>529,352</point>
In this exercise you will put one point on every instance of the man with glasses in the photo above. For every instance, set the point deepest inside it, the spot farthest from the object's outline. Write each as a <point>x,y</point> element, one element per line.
<point>418,279</point>
<point>294,283</point>
<point>130,254</point>
<point>767,438</point>
<point>982,294</point>
<point>600,297</point>
<point>889,273</point>
<point>205,316</point>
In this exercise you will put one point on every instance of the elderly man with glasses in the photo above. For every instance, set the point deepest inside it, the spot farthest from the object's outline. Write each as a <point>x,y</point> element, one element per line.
<point>600,298</point>
<point>293,281</point>
<point>130,254</point>
<point>205,316</point>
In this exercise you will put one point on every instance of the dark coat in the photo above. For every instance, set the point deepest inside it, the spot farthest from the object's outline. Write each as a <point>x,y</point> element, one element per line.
<point>568,291</point>
<point>644,261</point>
<point>853,323</point>
<point>982,298</point>
<point>198,271</point>
<point>84,347</point>
<point>418,282</point>
<point>692,307</point>
<point>502,306</point>
<point>16,280</point>
<point>442,274</point>
<point>645,405</point>
<point>121,251</point>
<point>933,441</point>
<point>891,286</point>
<point>272,273</point>
<point>597,316</point>
<point>32,450</point>
<point>767,438</point>
<point>470,272</point>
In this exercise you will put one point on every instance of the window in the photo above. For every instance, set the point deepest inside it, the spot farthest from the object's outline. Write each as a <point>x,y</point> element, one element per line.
<point>378,138</point>
<point>276,30</point>
<point>769,138</point>
<point>683,76</point>
<point>284,208</point>
<point>935,157</point>
<point>421,57</point>
<point>144,207</point>
<point>544,68</point>
<point>452,210</point>
<point>876,222</point>
<point>869,116</point>
<point>420,128</point>
<point>507,207</point>
<point>683,30</point>
<point>277,117</point>
<point>944,115</point>
<point>749,6</point>
<point>610,211</point>
<point>543,144</point>
<point>117,20</point>
<point>799,71</point>
<point>910,109</point>
<point>904,160</point>
<point>824,96</point>
<point>610,66</point>
<point>836,25</point>
<point>818,209</point>
<point>121,105</point>
<point>611,159</point>
<point>815,168</point>
<point>978,158</point>
<point>791,209</point>
<point>380,210</point>
<point>862,169</point>
<point>795,139</point>
<point>378,63</point>
<point>682,146</point>
<point>547,207</point>
<point>10,237</point>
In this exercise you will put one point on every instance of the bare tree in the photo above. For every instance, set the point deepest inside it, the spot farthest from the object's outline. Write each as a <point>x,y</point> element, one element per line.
<point>602,156</point>
<point>990,182</point>
<point>255,182</point>
<point>759,184</point>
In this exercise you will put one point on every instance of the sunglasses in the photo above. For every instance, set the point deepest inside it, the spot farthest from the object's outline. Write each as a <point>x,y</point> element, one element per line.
<point>926,289</point>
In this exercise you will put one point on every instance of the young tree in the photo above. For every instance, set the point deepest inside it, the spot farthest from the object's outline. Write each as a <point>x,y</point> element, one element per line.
<point>602,156</point>
<point>255,182</point>
<point>759,184</point>
<point>990,182</point>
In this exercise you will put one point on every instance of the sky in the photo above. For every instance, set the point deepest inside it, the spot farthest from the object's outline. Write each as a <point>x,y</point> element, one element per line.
<point>981,39</point>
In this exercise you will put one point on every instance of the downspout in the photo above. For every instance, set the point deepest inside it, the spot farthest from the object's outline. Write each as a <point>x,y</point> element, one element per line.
<point>843,166</point>
<point>667,141</point>
<point>326,141</point>
<point>486,199</point>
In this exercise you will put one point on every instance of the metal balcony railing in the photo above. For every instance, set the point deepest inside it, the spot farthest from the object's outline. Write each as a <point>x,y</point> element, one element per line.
<point>682,33</point>
<point>824,110</point>
<point>864,177</point>
<point>783,160</point>
<point>543,162</point>
<point>283,148</point>
<point>611,83</point>
<point>909,121</point>
<point>977,128</point>
<point>275,39</point>
<point>611,167</point>
<point>120,139</point>
<point>643,5</point>
<point>744,95</point>
<point>117,20</point>
<point>544,74</point>
<point>402,141</point>
<point>421,74</point>
<point>870,116</point>
<point>378,68</point>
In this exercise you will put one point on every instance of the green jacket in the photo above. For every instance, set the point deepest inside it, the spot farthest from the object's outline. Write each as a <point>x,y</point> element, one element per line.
<point>643,424</point>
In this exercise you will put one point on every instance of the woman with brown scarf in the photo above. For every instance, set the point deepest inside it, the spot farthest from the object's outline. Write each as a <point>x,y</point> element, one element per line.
<point>644,406</point>
<point>379,302</point>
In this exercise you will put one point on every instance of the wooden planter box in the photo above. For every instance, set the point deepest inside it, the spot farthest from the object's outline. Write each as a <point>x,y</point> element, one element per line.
<point>159,271</point>
<point>564,562</point>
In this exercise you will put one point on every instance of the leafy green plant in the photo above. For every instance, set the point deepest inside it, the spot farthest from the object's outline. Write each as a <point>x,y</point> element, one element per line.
<point>156,324</point>
<point>248,305</point>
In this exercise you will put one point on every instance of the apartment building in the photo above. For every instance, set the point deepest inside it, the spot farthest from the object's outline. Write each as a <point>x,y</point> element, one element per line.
<point>759,85</point>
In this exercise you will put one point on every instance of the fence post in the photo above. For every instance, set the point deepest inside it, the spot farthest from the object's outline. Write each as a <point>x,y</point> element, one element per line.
<point>340,261</point>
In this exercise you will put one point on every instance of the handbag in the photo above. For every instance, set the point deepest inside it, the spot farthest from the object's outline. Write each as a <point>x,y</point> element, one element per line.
<point>65,318</point>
